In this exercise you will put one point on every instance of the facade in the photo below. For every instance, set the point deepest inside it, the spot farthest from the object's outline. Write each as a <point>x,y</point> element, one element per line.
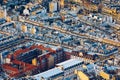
<point>52,74</point>
<point>59,39</point>
<point>69,67</point>
<point>62,71</point>
<point>53,6</point>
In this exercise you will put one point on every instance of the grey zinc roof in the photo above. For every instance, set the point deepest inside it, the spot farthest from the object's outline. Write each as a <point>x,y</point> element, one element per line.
<point>48,74</point>
<point>69,63</point>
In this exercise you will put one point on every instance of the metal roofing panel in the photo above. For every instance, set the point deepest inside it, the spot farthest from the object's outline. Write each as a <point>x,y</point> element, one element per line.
<point>48,74</point>
<point>69,63</point>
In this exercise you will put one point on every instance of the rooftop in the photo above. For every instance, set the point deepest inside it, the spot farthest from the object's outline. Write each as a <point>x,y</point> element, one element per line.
<point>48,74</point>
<point>69,63</point>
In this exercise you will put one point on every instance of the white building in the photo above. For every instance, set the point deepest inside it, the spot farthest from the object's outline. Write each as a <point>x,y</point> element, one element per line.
<point>52,74</point>
<point>53,6</point>
<point>69,67</point>
<point>62,71</point>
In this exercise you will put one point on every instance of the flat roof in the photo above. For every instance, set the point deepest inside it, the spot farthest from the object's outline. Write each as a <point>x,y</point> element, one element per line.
<point>48,74</point>
<point>69,63</point>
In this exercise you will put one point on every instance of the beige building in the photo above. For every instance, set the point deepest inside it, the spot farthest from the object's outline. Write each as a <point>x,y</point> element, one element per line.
<point>1,13</point>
